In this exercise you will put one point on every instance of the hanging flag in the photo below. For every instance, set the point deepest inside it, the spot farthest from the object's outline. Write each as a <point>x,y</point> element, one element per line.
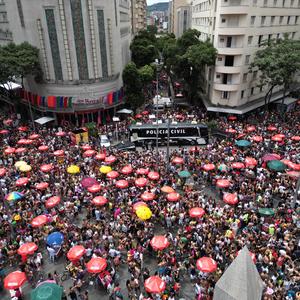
<point>51,101</point>
<point>39,100</point>
<point>110,98</point>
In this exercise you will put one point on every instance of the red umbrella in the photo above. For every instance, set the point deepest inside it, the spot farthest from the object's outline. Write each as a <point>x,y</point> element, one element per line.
<point>138,116</point>
<point>209,167</point>
<point>86,147</point>
<point>153,175</point>
<point>286,161</point>
<point>100,156</point>
<point>142,171</point>
<point>281,135</point>
<point>22,181</point>
<point>60,133</point>
<point>96,265</point>
<point>52,202</point>
<point>250,128</point>
<point>14,280</point>
<point>223,183</point>
<point>42,186</point>
<point>252,255</point>
<point>250,162</point>
<point>257,138</point>
<point>27,249</point>
<point>141,182</point>
<point>88,181</point>
<point>231,199</point>
<point>23,128</point>
<point>178,160</point>
<point>231,130</point>
<point>122,184</point>
<point>145,112</point>
<point>46,168</point>
<point>206,264</point>
<point>173,197</point>
<point>2,172</point>
<point>43,148</point>
<point>99,200</point>
<point>146,196</point>
<point>59,153</point>
<point>94,188</point>
<point>159,242</point>
<point>196,212</point>
<point>295,167</point>
<point>293,174</point>
<point>194,149</point>
<point>4,131</point>
<point>237,165</point>
<point>24,142</point>
<point>76,252</point>
<point>232,118</point>
<point>89,153</point>
<point>110,159</point>
<point>127,170</point>
<point>34,136</point>
<point>139,204</point>
<point>276,138</point>
<point>240,136</point>
<point>271,156</point>
<point>20,150</point>
<point>271,128</point>
<point>295,138</point>
<point>9,150</point>
<point>112,175</point>
<point>154,285</point>
<point>7,122</point>
<point>39,221</point>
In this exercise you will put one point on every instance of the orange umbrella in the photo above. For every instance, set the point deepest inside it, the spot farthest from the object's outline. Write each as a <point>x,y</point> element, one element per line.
<point>96,265</point>
<point>159,242</point>
<point>27,249</point>
<point>167,189</point>
<point>76,252</point>
<point>52,202</point>
<point>141,182</point>
<point>154,285</point>
<point>122,184</point>
<point>142,171</point>
<point>43,148</point>
<point>46,168</point>
<point>94,188</point>
<point>39,221</point>
<point>42,186</point>
<point>178,160</point>
<point>206,264</point>
<point>112,174</point>
<point>14,280</point>
<point>127,170</point>
<point>223,183</point>
<point>153,175</point>
<point>22,181</point>
<point>231,199</point>
<point>99,200</point>
<point>237,165</point>
<point>209,167</point>
<point>146,196</point>
<point>196,212</point>
<point>173,197</point>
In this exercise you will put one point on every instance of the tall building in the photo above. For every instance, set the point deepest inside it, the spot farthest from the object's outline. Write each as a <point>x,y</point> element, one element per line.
<point>179,16</point>
<point>84,45</point>
<point>138,15</point>
<point>237,28</point>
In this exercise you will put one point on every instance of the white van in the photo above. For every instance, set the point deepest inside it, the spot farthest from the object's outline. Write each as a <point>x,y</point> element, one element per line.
<point>165,101</point>
<point>104,141</point>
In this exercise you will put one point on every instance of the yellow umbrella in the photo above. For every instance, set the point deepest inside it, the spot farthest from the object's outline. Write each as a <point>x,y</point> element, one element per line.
<point>143,213</point>
<point>73,169</point>
<point>17,217</point>
<point>105,169</point>
<point>20,163</point>
<point>25,168</point>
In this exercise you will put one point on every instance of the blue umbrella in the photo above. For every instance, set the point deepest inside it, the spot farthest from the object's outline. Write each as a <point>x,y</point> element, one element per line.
<point>55,238</point>
<point>243,143</point>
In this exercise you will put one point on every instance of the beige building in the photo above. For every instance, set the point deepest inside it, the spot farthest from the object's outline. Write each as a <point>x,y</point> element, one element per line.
<point>179,16</point>
<point>138,15</point>
<point>237,28</point>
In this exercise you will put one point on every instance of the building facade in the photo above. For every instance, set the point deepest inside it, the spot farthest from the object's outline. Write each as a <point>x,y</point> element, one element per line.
<point>84,45</point>
<point>237,28</point>
<point>138,15</point>
<point>179,16</point>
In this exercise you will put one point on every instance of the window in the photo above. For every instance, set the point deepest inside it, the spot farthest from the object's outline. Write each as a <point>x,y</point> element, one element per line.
<point>250,38</point>
<point>269,37</point>
<point>261,89</point>
<point>222,40</point>
<point>252,91</point>
<point>293,35</point>
<point>242,94</point>
<point>281,19</point>
<point>275,2</point>
<point>283,3</point>
<point>223,20</point>
<point>254,74</point>
<point>225,95</point>
<point>292,3</point>
<point>288,20</point>
<point>229,42</point>
<point>219,58</point>
<point>272,20</point>
<point>247,59</point>
<point>252,20</point>
<point>260,40</point>
<point>296,19</point>
<point>245,77</point>
<point>218,75</point>
<point>277,36</point>
<point>229,61</point>
<point>265,2</point>
<point>263,19</point>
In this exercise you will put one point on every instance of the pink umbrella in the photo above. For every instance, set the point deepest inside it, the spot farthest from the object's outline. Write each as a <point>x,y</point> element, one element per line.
<point>139,204</point>
<point>173,197</point>
<point>27,249</point>
<point>42,186</point>
<point>257,138</point>
<point>39,221</point>
<point>153,175</point>
<point>86,147</point>
<point>196,212</point>
<point>295,167</point>
<point>52,202</point>
<point>34,136</point>
<point>142,171</point>
<point>22,181</point>
<point>271,156</point>
<point>46,168</point>
<point>20,150</point>
<point>2,172</point>
<point>127,170</point>
<point>231,199</point>
<point>209,167</point>
<point>146,196</point>
<point>112,175</point>
<point>276,138</point>
<point>250,162</point>
<point>23,128</point>
<point>295,138</point>
<point>141,182</point>
<point>100,156</point>
<point>122,184</point>
<point>178,160</point>
<point>4,131</point>
<point>99,200</point>
<point>88,181</point>
<point>110,159</point>
<point>293,174</point>
<point>59,153</point>
<point>89,153</point>
<point>206,264</point>
<point>154,285</point>
<point>231,130</point>
<point>60,133</point>
<point>223,183</point>
<point>94,188</point>
<point>159,242</point>
<point>271,128</point>
<point>237,165</point>
<point>10,150</point>
<point>43,148</point>
<point>232,118</point>
<point>250,128</point>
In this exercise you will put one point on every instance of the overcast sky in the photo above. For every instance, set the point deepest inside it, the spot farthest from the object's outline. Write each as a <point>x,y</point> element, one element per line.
<point>149,2</point>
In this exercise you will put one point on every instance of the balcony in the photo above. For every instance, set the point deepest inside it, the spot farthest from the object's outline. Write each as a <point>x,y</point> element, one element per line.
<point>228,70</point>
<point>225,87</point>
<point>222,50</point>
<point>234,30</point>
<point>235,3</point>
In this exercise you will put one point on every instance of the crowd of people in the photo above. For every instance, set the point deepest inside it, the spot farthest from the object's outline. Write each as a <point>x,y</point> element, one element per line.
<point>113,230</point>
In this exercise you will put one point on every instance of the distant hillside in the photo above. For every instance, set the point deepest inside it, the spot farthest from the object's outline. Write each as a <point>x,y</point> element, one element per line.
<point>163,6</point>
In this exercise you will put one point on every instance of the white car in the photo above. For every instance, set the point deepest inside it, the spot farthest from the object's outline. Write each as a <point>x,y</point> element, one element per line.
<point>104,141</point>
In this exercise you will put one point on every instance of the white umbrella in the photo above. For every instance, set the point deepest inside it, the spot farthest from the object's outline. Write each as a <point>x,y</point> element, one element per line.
<point>125,111</point>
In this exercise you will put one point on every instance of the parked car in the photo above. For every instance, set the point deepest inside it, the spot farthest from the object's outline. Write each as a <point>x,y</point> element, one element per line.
<point>104,141</point>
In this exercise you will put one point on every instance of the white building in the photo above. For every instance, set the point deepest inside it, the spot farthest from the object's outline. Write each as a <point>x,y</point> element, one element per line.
<point>236,28</point>
<point>84,45</point>
<point>138,15</point>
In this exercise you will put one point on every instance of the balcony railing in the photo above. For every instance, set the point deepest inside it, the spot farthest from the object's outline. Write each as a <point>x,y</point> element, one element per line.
<point>236,3</point>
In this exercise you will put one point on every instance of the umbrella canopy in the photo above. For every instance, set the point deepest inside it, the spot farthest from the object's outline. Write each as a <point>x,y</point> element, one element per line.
<point>122,184</point>
<point>20,150</point>
<point>231,199</point>
<point>250,162</point>
<point>159,242</point>
<point>34,136</point>
<point>209,167</point>
<point>43,148</point>
<point>250,128</point>
<point>99,200</point>
<point>89,153</point>
<point>100,156</point>
<point>112,175</point>
<point>46,168</point>
<point>241,280</point>
<point>206,264</point>
<point>47,291</point>
<point>184,174</point>
<point>76,252</point>
<point>173,197</point>
<point>142,171</point>
<point>42,186</point>
<point>267,212</point>
<point>276,138</point>
<point>232,118</point>
<point>223,183</point>
<point>242,143</point>
<point>22,181</point>
<point>14,196</point>
<point>94,188</point>
<point>14,280</point>
<point>55,238</point>
<point>295,138</point>
<point>27,249</point>
<point>2,172</point>
<point>276,165</point>
<point>153,175</point>
<point>127,170</point>
<point>271,128</point>
<point>23,128</point>
<point>178,160</point>
<point>110,159</point>
<point>196,212</point>
<point>73,169</point>
<point>141,182</point>
<point>10,150</point>
<point>20,163</point>
<point>154,285</point>
<point>230,130</point>
<point>88,181</point>
<point>144,213</point>
<point>86,147</point>
<point>146,196</point>
<point>167,189</point>
<point>4,131</point>
<point>270,156</point>
<point>25,168</point>
<point>39,221</point>
<point>59,153</point>
<point>105,169</point>
<point>139,204</point>
<point>257,138</point>
<point>237,165</point>
<point>96,265</point>
<point>52,202</point>
<point>293,174</point>
<point>60,133</point>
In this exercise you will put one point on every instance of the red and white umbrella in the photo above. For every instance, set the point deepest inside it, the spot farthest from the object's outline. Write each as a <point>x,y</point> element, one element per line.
<point>127,170</point>
<point>99,200</point>
<point>142,171</point>
<point>154,285</point>
<point>232,118</point>
<point>271,128</point>
<point>20,150</point>
<point>2,172</point>
<point>250,162</point>
<point>23,128</point>
<point>100,156</point>
<point>237,165</point>
<point>196,212</point>
<point>293,174</point>
<point>34,136</point>
<point>89,153</point>
<point>209,167</point>
<point>173,197</point>
<point>59,153</point>
<point>4,131</point>
<point>257,138</point>
<point>230,199</point>
<point>146,196</point>
<point>153,175</point>
<point>96,265</point>
<point>138,204</point>
<point>60,133</point>
<point>14,280</point>
<point>76,252</point>
<point>42,186</point>
<point>10,150</point>
<point>295,138</point>
<point>46,168</point>
<point>86,147</point>
<point>250,128</point>
<point>206,264</point>
<point>276,138</point>
<point>43,148</point>
<point>22,181</point>
<point>223,183</point>
<point>112,175</point>
<point>122,184</point>
<point>39,221</point>
<point>281,135</point>
<point>177,160</point>
<point>159,242</point>
<point>110,159</point>
<point>141,182</point>
<point>230,130</point>
<point>295,167</point>
<point>27,249</point>
<point>95,188</point>
<point>53,201</point>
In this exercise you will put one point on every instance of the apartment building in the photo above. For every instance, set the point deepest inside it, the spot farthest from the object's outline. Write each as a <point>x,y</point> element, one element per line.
<point>237,28</point>
<point>138,15</point>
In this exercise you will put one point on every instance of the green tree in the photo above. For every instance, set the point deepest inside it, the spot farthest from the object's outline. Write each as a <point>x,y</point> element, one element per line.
<point>152,29</point>
<point>146,74</point>
<point>277,63</point>
<point>189,38</point>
